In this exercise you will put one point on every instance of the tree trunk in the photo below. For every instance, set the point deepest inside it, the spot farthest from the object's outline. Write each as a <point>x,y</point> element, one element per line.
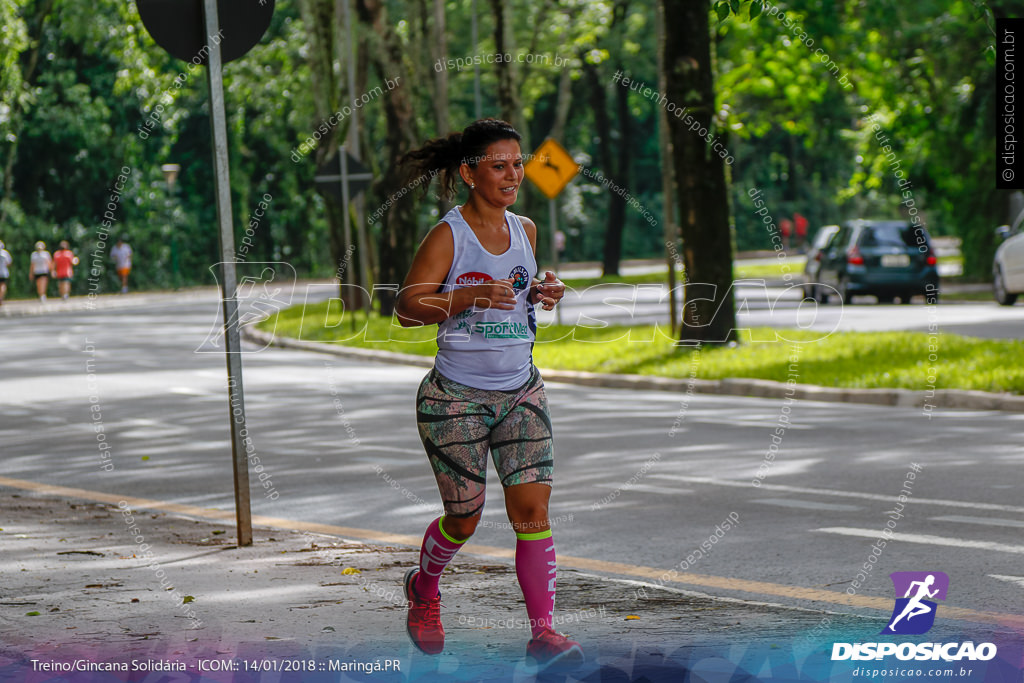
<point>508,81</point>
<point>617,209</point>
<point>398,237</point>
<point>320,19</point>
<point>439,52</point>
<point>709,314</point>
<point>439,48</point>
<point>610,168</point>
<point>562,106</point>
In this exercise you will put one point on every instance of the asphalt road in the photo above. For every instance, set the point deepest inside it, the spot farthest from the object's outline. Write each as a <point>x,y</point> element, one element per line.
<point>779,304</point>
<point>643,478</point>
<point>769,305</point>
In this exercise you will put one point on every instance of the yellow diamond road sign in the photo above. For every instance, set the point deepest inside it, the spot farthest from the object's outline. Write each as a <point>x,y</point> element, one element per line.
<point>551,168</point>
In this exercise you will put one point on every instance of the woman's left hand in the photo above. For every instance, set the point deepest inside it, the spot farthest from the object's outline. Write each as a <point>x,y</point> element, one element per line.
<point>548,292</point>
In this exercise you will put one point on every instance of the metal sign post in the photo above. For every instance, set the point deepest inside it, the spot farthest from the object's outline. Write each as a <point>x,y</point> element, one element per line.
<point>345,219</point>
<point>346,197</point>
<point>239,461</point>
<point>667,180</point>
<point>553,219</point>
<point>353,144</point>
<point>196,31</point>
<point>350,181</point>
<point>551,169</point>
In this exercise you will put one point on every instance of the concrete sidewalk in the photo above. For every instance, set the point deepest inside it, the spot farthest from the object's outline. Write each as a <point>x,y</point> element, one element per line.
<point>13,308</point>
<point>78,586</point>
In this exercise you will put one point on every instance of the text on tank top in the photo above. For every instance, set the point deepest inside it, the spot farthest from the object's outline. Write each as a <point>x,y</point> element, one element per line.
<point>488,348</point>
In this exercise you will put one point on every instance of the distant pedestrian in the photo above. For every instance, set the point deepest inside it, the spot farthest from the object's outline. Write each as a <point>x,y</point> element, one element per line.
<point>5,270</point>
<point>786,228</point>
<point>42,266</point>
<point>64,261</point>
<point>800,224</point>
<point>122,255</point>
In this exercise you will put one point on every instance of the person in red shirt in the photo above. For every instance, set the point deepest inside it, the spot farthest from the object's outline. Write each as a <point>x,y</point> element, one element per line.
<point>786,228</point>
<point>64,261</point>
<point>800,224</point>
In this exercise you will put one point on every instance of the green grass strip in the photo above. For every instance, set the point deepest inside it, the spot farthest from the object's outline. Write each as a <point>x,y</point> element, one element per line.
<point>766,271</point>
<point>907,360</point>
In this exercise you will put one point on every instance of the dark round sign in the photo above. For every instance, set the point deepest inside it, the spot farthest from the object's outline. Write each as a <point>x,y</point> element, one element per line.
<point>178,26</point>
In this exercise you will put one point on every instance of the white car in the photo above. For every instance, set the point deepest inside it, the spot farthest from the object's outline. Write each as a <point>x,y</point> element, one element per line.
<point>1008,264</point>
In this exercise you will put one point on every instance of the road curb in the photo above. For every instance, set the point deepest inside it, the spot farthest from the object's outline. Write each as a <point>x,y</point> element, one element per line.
<point>927,401</point>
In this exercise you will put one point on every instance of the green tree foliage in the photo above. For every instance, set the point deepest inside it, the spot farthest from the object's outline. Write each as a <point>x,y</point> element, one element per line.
<point>921,72</point>
<point>84,92</point>
<point>98,82</point>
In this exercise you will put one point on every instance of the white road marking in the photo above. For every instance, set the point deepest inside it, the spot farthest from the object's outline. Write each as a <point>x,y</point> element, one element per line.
<point>188,391</point>
<point>806,504</point>
<point>615,433</point>
<point>987,521</point>
<point>645,488</point>
<point>719,598</point>
<point>842,494</point>
<point>1019,580</point>
<point>927,540</point>
<point>374,459</point>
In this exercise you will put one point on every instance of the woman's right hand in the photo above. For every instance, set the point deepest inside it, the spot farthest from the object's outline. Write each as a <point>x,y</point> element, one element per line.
<point>495,294</point>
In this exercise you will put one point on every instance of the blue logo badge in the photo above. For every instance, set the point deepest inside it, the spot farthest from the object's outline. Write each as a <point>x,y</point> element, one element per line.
<point>914,612</point>
<point>520,277</point>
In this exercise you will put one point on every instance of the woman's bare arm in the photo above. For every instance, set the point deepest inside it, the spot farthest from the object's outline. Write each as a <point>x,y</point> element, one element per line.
<point>420,303</point>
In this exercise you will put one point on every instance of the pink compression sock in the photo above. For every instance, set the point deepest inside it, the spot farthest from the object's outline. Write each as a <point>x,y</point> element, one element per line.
<point>535,569</point>
<point>437,551</point>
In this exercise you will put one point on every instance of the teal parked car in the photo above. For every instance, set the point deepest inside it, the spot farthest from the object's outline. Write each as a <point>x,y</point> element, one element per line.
<point>887,259</point>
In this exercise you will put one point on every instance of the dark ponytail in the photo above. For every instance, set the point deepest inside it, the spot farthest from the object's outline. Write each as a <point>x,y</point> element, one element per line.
<point>444,155</point>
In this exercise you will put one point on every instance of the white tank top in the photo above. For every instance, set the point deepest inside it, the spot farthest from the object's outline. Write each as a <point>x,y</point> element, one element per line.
<point>488,348</point>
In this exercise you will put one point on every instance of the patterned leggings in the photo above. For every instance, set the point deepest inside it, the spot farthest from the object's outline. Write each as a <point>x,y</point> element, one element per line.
<point>458,424</point>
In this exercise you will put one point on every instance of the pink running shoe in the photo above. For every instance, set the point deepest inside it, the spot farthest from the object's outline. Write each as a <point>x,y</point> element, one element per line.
<point>424,619</point>
<point>553,650</point>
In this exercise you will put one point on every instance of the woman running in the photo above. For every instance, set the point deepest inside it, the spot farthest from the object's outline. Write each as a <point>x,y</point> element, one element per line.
<point>64,262</point>
<point>42,266</point>
<point>5,271</point>
<point>474,276</point>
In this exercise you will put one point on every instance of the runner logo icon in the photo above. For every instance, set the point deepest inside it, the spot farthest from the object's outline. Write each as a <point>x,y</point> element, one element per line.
<point>914,612</point>
<point>520,277</point>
